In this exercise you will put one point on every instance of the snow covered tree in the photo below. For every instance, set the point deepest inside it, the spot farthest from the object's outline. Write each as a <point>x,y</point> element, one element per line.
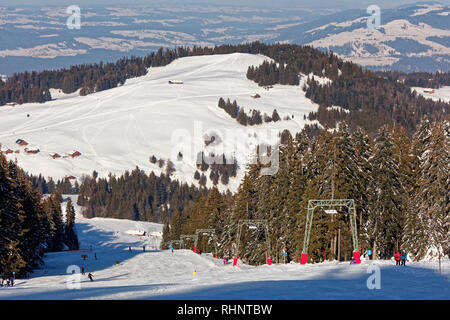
<point>364,152</point>
<point>52,206</point>
<point>386,199</point>
<point>11,217</point>
<point>293,210</point>
<point>428,221</point>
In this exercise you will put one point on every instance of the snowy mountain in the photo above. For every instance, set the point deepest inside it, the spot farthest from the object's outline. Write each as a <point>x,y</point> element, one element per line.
<point>118,129</point>
<point>410,38</point>
<point>413,37</point>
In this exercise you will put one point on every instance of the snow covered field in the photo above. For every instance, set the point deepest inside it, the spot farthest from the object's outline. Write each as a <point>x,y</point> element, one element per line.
<point>118,129</point>
<point>156,274</point>
<point>441,93</point>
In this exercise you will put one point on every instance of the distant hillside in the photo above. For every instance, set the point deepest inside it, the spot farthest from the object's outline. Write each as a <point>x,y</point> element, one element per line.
<point>411,38</point>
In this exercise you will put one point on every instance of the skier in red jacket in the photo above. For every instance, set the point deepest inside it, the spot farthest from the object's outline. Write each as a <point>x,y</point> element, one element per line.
<point>397,256</point>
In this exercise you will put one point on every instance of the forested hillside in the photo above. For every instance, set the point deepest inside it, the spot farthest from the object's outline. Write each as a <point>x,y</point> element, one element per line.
<point>378,99</point>
<point>400,186</point>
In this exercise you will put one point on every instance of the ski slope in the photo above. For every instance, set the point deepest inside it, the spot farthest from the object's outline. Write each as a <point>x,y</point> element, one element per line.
<point>156,274</point>
<point>118,129</point>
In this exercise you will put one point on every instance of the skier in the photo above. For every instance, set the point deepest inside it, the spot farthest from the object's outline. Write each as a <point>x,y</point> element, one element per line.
<point>11,280</point>
<point>117,263</point>
<point>143,247</point>
<point>129,249</point>
<point>369,253</point>
<point>397,256</point>
<point>82,270</point>
<point>403,257</point>
<point>90,276</point>
<point>171,249</point>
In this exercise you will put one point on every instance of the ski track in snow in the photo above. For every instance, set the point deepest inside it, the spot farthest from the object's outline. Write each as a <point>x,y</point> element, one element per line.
<point>158,274</point>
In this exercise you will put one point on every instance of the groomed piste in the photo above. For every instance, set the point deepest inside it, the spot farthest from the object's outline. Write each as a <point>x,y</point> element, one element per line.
<point>161,274</point>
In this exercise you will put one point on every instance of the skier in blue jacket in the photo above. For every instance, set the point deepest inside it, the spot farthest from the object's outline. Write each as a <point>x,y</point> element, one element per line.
<point>403,257</point>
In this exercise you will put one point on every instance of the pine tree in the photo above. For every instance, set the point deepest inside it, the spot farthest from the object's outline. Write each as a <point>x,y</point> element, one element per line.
<point>242,117</point>
<point>428,227</point>
<point>275,116</point>
<point>385,203</point>
<point>364,152</point>
<point>52,206</point>
<point>11,217</point>
<point>165,234</point>
<point>405,160</point>
<point>175,226</point>
<point>71,239</point>
<point>34,225</point>
<point>23,221</point>
<point>294,211</point>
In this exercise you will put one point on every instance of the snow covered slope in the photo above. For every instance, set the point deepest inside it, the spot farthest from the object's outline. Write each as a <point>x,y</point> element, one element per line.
<point>118,129</point>
<point>155,274</point>
<point>435,94</point>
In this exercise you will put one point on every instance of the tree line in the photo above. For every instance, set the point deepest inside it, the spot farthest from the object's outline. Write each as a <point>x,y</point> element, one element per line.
<point>238,113</point>
<point>48,186</point>
<point>270,73</point>
<point>372,102</point>
<point>419,79</point>
<point>135,195</point>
